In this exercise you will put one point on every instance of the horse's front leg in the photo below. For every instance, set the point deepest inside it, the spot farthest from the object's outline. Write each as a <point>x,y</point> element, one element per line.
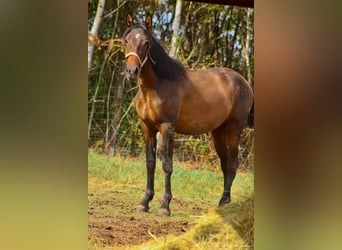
<point>150,143</point>
<point>167,131</point>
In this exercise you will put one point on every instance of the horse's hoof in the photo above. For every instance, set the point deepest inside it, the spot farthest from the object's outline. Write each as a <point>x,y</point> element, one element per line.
<point>164,212</point>
<point>142,208</point>
<point>224,202</point>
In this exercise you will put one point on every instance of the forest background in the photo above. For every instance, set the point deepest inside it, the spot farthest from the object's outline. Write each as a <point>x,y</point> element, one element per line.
<point>199,35</point>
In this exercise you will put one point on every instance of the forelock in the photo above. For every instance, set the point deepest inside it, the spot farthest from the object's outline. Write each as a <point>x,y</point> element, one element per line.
<point>135,26</point>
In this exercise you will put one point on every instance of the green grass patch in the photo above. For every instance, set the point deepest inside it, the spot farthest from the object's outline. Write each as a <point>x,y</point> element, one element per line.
<point>186,183</point>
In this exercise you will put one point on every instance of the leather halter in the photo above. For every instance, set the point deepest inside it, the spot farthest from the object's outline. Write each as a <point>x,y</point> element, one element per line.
<point>141,63</point>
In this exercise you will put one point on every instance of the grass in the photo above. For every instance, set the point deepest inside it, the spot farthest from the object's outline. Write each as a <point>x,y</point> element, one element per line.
<point>197,188</point>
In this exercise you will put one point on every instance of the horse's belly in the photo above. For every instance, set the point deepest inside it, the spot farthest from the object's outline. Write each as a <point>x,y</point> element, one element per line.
<point>205,117</point>
<point>197,127</point>
<point>192,130</point>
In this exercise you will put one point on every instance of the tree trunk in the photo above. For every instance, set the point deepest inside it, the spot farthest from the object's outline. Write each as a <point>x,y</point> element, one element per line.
<point>176,24</point>
<point>246,47</point>
<point>216,34</point>
<point>93,32</point>
<point>228,20</point>
<point>232,45</point>
<point>117,115</point>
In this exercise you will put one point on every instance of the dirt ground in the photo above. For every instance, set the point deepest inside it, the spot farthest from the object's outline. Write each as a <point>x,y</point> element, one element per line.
<point>125,226</point>
<point>121,231</point>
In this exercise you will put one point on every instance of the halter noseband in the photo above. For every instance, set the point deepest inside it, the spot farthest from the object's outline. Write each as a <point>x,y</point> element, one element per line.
<point>141,63</point>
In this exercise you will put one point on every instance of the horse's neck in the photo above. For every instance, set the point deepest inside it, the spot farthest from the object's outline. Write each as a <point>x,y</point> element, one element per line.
<point>147,77</point>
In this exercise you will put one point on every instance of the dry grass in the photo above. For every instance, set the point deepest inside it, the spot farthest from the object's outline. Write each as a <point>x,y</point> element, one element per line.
<point>231,227</point>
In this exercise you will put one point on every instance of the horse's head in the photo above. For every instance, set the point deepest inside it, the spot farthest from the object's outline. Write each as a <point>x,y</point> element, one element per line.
<point>137,42</point>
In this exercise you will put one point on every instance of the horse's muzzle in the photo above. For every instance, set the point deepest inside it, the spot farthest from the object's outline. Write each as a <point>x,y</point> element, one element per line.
<point>132,72</point>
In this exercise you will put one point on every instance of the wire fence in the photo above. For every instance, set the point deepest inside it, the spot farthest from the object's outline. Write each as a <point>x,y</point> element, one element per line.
<point>124,138</point>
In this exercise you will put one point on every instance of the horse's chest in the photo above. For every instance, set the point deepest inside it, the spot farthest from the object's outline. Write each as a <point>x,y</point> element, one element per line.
<point>149,109</point>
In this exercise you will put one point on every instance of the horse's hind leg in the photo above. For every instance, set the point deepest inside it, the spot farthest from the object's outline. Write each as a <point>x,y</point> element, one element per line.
<point>228,134</point>
<point>220,142</point>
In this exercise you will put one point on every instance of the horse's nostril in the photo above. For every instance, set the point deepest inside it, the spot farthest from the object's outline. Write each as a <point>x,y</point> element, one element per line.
<point>136,71</point>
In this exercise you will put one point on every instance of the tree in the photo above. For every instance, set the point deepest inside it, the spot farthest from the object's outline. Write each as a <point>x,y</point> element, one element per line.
<point>176,24</point>
<point>93,32</point>
<point>211,36</point>
<point>246,44</point>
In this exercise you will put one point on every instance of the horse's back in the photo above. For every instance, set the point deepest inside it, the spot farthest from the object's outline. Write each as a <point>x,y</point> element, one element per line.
<point>210,97</point>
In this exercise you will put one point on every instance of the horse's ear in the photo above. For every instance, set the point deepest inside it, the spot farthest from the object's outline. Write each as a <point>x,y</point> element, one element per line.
<point>148,21</point>
<point>129,20</point>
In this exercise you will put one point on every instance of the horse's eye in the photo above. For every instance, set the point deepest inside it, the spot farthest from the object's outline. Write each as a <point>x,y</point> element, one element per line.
<point>126,41</point>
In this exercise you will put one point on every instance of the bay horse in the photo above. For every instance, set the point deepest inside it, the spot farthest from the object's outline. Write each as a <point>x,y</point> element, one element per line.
<point>172,99</point>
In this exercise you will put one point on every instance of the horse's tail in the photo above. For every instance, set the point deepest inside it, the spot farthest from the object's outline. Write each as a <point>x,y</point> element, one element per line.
<point>250,119</point>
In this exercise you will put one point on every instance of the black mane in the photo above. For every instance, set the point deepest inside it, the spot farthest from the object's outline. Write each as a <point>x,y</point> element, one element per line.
<point>165,66</point>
